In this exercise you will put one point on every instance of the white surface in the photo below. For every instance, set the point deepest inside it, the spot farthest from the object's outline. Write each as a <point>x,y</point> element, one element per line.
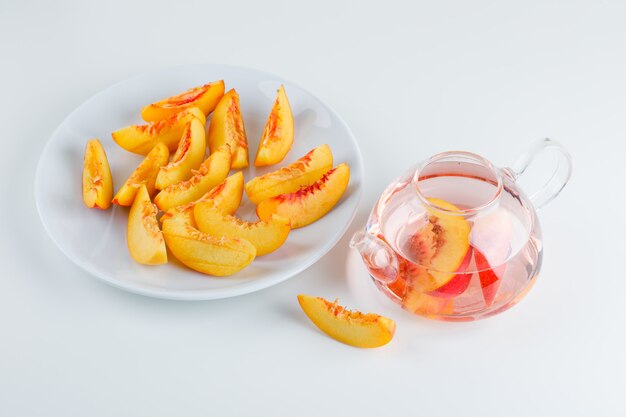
<point>410,80</point>
<point>96,240</point>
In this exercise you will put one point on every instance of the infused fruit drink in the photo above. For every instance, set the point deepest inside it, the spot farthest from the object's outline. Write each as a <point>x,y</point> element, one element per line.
<point>455,238</point>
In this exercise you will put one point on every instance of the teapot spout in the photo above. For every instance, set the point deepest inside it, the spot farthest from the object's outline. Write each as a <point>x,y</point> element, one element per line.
<point>359,241</point>
<point>379,258</point>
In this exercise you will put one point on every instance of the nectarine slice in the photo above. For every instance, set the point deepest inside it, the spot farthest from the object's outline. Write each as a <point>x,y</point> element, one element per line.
<point>212,172</point>
<point>97,180</point>
<point>227,127</point>
<point>305,171</point>
<point>140,139</point>
<point>278,133</point>
<point>266,235</point>
<point>426,305</point>
<point>440,246</point>
<point>145,173</point>
<point>225,197</point>
<point>459,282</point>
<point>350,327</point>
<point>310,203</point>
<point>144,238</point>
<point>489,277</point>
<point>188,156</point>
<point>204,97</point>
<point>218,256</point>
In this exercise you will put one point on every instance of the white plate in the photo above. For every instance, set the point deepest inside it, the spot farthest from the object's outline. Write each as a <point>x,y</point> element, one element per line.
<point>96,240</point>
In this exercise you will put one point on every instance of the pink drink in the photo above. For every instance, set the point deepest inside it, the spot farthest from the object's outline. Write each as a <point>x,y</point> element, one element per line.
<point>453,240</point>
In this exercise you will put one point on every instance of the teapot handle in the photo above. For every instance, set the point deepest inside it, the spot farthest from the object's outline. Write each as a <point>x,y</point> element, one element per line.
<point>560,176</point>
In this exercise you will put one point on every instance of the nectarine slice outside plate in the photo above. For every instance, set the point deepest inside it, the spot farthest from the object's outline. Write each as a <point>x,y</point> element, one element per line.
<point>350,327</point>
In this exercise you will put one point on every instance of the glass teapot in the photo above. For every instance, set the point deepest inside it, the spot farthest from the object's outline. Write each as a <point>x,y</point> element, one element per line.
<point>455,238</point>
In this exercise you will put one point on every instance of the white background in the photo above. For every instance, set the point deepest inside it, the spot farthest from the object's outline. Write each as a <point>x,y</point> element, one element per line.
<point>411,79</point>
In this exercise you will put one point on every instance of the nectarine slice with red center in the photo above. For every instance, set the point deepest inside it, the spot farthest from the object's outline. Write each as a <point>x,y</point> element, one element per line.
<point>97,180</point>
<point>489,277</point>
<point>144,174</point>
<point>204,97</point>
<point>218,256</point>
<point>227,128</point>
<point>310,203</point>
<point>188,156</point>
<point>278,133</point>
<point>143,236</point>
<point>459,282</point>
<point>440,246</point>
<point>350,327</point>
<point>140,139</point>
<point>266,235</point>
<point>305,171</point>
<point>212,172</point>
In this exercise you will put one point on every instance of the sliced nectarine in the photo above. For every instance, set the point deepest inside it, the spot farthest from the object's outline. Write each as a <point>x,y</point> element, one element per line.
<point>305,171</point>
<point>97,181</point>
<point>350,327</point>
<point>266,235</point>
<point>490,277</point>
<point>188,156</point>
<point>459,282</point>
<point>144,238</point>
<point>310,203</point>
<point>227,127</point>
<point>212,172</point>
<point>408,287</point>
<point>225,197</point>
<point>204,97</point>
<point>426,305</point>
<point>440,246</point>
<point>278,133</point>
<point>146,173</point>
<point>140,139</point>
<point>204,253</point>
<point>184,212</point>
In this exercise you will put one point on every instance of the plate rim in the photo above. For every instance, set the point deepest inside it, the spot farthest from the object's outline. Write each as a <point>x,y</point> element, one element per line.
<point>197,295</point>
